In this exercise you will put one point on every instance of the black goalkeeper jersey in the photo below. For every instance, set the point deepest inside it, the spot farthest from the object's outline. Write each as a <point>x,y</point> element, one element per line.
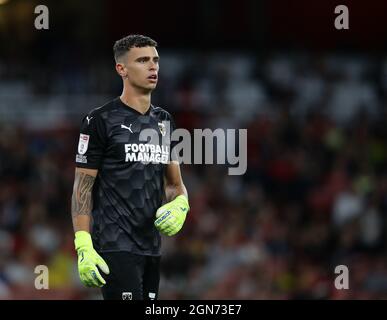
<point>130,151</point>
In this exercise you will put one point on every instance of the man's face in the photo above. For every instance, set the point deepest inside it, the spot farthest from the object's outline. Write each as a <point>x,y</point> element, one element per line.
<point>142,67</point>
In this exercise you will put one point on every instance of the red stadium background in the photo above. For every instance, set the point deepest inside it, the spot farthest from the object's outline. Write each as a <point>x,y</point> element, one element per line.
<point>313,99</point>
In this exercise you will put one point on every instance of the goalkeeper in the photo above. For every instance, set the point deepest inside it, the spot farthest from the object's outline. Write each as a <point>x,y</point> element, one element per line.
<point>117,202</point>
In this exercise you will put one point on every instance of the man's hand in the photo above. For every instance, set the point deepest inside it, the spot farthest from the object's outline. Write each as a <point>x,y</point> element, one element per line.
<point>171,216</point>
<point>88,260</point>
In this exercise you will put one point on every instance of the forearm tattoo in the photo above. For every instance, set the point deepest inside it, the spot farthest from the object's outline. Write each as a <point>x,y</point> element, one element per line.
<point>81,201</point>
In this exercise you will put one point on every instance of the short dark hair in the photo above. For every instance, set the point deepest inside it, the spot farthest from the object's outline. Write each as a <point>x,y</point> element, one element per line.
<point>123,45</point>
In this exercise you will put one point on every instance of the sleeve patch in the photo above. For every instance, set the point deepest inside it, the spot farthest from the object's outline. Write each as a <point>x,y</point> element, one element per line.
<point>83,143</point>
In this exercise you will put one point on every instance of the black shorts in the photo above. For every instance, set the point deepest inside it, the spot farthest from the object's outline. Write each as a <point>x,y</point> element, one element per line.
<point>132,276</point>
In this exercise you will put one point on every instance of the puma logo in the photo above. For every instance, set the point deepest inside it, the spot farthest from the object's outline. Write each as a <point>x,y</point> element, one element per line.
<point>127,128</point>
<point>88,119</point>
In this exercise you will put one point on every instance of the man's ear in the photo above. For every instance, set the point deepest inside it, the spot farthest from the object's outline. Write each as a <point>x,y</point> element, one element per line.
<point>121,70</point>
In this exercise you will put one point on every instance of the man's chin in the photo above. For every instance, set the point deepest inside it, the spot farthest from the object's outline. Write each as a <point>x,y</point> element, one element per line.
<point>150,87</point>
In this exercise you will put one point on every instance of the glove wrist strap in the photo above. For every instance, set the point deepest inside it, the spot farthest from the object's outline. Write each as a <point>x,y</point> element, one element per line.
<point>82,240</point>
<point>183,199</point>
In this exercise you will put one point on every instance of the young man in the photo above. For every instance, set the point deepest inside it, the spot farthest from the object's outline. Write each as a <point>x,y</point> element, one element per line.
<point>119,193</point>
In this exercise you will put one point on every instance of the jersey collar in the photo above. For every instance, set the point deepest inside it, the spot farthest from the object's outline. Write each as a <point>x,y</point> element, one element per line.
<point>129,108</point>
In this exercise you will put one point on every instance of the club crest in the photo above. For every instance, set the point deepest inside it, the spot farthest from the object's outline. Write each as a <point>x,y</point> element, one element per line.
<point>162,129</point>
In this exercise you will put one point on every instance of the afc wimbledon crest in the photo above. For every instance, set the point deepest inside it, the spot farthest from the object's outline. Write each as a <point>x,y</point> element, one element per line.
<point>83,143</point>
<point>162,129</point>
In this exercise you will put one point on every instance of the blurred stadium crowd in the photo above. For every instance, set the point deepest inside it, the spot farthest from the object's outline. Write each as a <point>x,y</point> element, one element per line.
<point>314,195</point>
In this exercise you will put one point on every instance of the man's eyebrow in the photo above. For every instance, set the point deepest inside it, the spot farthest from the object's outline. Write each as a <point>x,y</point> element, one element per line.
<point>147,58</point>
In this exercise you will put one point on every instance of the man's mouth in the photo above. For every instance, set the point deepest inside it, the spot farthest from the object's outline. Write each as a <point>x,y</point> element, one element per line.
<point>153,77</point>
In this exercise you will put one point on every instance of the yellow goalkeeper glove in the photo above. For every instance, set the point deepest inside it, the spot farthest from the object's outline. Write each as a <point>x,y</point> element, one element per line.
<point>171,216</point>
<point>88,260</point>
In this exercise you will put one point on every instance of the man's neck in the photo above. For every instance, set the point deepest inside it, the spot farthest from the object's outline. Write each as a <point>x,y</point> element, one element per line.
<point>138,101</point>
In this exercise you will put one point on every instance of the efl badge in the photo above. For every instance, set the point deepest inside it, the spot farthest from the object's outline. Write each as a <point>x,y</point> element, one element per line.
<point>126,296</point>
<point>162,129</point>
<point>83,143</point>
